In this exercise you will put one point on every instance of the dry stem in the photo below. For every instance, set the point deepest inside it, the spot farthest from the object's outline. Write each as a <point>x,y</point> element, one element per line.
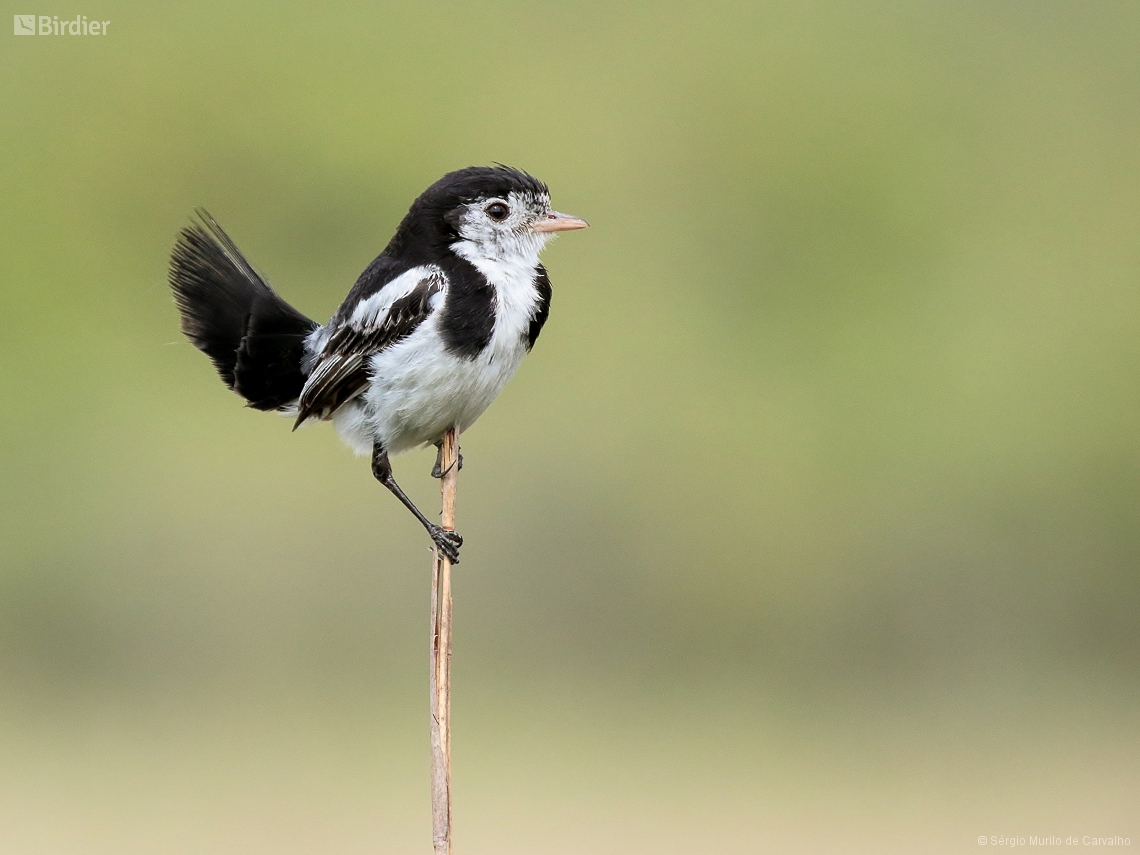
<point>440,679</point>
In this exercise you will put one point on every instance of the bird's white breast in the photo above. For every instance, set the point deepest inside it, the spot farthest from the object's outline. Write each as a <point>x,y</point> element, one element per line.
<point>419,388</point>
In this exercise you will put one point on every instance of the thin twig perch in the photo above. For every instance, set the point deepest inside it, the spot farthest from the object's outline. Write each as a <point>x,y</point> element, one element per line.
<point>440,679</point>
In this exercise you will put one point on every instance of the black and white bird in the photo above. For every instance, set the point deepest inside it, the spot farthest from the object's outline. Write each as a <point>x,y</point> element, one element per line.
<point>425,340</point>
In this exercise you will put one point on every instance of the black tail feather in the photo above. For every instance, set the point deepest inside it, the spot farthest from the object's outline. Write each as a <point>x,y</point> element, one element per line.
<point>254,338</point>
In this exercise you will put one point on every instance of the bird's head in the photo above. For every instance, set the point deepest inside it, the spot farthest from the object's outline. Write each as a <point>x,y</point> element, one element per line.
<point>491,213</point>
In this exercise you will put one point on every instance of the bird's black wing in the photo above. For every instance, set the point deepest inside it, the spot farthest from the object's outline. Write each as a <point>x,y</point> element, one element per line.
<point>340,371</point>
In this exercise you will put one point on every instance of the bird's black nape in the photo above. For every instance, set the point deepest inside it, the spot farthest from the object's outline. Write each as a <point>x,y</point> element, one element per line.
<point>254,338</point>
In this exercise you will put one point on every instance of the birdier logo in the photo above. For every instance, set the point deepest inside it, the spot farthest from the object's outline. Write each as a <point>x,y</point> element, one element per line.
<point>51,25</point>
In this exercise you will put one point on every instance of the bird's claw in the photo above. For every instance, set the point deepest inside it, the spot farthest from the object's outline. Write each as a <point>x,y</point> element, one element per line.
<point>448,542</point>
<point>435,470</point>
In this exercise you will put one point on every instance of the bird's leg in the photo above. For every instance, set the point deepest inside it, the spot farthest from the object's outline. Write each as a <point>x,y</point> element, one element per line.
<point>447,541</point>
<point>436,470</point>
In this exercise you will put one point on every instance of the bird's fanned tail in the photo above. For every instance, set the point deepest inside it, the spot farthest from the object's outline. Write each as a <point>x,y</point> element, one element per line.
<point>254,338</point>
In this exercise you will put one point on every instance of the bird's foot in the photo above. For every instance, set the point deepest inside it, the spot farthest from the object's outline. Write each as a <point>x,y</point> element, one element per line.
<point>435,470</point>
<point>448,542</point>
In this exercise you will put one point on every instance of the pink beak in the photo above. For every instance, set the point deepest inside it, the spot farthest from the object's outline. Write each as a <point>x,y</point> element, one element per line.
<point>555,222</point>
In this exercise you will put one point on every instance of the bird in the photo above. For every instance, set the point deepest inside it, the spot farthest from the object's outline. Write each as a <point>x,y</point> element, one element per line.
<point>426,339</point>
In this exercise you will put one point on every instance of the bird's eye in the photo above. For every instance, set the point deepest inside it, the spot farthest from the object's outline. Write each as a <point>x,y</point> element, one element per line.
<point>497,211</point>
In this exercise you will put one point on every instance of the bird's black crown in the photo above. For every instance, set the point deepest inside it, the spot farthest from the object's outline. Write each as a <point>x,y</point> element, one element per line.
<point>427,229</point>
<point>481,182</point>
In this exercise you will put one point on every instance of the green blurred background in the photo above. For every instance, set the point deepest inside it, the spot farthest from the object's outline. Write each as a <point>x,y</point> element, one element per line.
<point>811,525</point>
